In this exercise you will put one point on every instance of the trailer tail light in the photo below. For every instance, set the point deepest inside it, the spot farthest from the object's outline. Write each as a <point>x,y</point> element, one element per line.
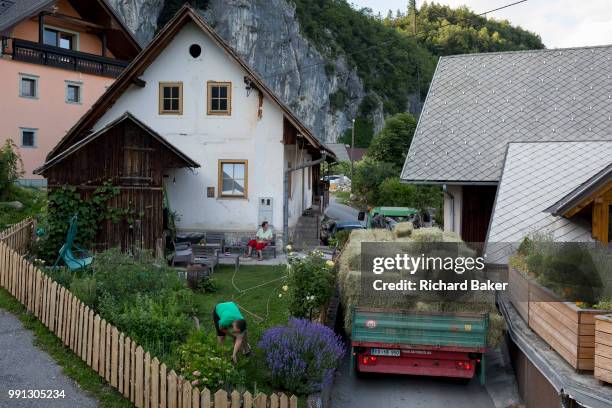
<point>370,324</point>
<point>365,360</point>
<point>464,365</point>
<point>373,359</point>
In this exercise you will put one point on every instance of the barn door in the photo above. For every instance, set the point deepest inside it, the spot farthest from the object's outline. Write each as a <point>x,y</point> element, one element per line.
<point>138,150</point>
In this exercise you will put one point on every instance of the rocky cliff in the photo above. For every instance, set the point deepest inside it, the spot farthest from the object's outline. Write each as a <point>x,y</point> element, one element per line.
<point>266,33</point>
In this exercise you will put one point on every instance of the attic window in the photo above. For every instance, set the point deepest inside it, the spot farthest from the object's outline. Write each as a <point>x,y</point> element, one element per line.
<point>219,98</point>
<point>195,50</point>
<point>170,98</point>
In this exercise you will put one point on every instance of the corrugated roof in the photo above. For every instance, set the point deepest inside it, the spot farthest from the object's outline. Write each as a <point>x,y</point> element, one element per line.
<point>478,103</point>
<point>535,176</point>
<point>340,150</point>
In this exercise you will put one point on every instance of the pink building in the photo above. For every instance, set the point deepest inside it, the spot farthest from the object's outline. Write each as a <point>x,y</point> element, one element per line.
<point>57,57</point>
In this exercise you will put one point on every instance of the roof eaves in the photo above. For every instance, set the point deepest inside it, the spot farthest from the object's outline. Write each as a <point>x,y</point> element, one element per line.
<point>574,197</point>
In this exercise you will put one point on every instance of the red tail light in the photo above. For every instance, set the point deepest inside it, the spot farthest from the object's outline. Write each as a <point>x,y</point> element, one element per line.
<point>465,365</point>
<point>373,359</point>
<point>468,366</point>
<point>365,360</point>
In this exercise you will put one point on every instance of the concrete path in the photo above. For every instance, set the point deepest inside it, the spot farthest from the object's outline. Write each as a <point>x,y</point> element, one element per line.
<point>24,367</point>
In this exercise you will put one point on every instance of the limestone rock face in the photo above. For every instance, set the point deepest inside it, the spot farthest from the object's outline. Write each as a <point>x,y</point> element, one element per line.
<point>266,33</point>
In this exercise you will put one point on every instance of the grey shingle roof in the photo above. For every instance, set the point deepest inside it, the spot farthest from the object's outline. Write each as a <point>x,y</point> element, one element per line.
<point>581,192</point>
<point>535,176</point>
<point>478,103</point>
<point>16,10</point>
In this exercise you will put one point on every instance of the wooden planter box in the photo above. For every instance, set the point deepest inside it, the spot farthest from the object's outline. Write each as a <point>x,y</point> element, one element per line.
<point>603,348</point>
<point>568,329</point>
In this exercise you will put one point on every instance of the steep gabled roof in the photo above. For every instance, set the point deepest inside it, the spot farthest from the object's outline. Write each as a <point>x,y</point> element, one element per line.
<point>15,11</point>
<point>535,175</point>
<point>582,192</point>
<point>185,15</point>
<point>127,116</point>
<point>478,103</point>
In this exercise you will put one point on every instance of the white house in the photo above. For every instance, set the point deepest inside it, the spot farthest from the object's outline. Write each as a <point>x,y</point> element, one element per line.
<point>191,88</point>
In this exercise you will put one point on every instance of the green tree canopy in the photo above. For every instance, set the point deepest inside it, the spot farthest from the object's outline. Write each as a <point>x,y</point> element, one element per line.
<point>392,143</point>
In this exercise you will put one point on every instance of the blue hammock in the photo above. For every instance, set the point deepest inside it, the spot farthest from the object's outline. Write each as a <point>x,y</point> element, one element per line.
<point>73,256</point>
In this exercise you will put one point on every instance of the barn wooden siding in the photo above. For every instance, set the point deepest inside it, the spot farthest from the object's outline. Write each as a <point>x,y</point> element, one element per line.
<point>131,159</point>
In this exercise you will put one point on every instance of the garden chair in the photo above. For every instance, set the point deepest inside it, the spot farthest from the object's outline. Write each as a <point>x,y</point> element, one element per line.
<point>74,257</point>
<point>202,255</point>
<point>183,253</point>
<point>215,240</point>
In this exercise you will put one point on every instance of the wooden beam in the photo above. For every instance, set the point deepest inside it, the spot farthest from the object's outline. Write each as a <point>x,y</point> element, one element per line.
<point>78,21</point>
<point>41,27</point>
<point>104,43</point>
<point>141,83</point>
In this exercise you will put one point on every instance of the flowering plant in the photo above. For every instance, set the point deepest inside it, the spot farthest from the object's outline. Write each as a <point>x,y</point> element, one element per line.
<point>311,281</point>
<point>302,356</point>
<point>206,364</point>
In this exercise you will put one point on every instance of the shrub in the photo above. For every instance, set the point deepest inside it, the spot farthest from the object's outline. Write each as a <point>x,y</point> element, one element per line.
<point>206,364</point>
<point>158,322</point>
<point>302,356</point>
<point>311,283</point>
<point>11,167</point>
<point>369,175</point>
<point>392,143</point>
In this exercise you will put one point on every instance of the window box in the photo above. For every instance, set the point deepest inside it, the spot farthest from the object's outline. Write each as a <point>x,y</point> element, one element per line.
<point>603,348</point>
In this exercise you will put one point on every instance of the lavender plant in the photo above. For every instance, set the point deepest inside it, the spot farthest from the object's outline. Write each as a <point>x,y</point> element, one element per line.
<point>302,356</point>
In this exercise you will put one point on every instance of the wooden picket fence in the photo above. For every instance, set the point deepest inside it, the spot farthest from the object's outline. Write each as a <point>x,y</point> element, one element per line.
<point>133,372</point>
<point>19,236</point>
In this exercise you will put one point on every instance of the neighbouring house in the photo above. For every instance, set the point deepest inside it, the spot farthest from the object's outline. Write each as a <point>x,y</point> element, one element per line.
<point>521,143</point>
<point>57,57</point>
<point>479,103</point>
<point>189,90</point>
<point>559,189</point>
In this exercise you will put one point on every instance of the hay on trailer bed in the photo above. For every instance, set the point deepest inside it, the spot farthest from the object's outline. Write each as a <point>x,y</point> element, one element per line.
<point>349,279</point>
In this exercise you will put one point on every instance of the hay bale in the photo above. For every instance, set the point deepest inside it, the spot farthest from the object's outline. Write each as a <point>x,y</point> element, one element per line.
<point>403,229</point>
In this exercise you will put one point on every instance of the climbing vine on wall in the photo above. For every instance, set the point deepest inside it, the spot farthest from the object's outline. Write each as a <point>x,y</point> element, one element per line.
<point>66,201</point>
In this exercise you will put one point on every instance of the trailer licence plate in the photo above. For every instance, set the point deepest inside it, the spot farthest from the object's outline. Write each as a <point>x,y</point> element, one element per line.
<point>385,352</point>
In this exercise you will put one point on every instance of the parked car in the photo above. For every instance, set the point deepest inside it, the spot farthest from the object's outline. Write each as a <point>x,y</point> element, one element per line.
<point>330,227</point>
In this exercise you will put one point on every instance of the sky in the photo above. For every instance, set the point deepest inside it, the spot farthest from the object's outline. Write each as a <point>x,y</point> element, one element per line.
<point>560,23</point>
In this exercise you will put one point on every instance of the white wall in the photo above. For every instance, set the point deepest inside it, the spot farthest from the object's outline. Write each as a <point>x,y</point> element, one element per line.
<point>457,192</point>
<point>209,138</point>
<point>301,194</point>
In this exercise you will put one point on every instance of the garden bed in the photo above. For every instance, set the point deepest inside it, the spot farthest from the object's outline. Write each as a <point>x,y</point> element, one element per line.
<point>567,328</point>
<point>603,348</point>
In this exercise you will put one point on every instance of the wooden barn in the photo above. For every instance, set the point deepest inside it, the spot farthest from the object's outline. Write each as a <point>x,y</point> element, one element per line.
<point>133,158</point>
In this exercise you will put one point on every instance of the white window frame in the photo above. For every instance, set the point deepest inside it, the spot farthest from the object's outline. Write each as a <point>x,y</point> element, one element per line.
<point>77,84</point>
<point>34,78</point>
<point>34,141</point>
<point>76,34</point>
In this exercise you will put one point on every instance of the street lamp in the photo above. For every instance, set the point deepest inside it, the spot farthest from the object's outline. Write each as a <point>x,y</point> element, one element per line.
<point>352,149</point>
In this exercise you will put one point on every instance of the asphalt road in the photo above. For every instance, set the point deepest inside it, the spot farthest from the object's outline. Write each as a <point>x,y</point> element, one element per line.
<point>340,212</point>
<point>25,367</point>
<point>392,391</point>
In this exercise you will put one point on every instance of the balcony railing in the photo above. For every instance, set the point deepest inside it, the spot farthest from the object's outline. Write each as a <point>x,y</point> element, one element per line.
<point>36,53</point>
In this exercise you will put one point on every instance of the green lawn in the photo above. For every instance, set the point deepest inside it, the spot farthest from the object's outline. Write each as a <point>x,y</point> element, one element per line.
<point>257,293</point>
<point>72,365</point>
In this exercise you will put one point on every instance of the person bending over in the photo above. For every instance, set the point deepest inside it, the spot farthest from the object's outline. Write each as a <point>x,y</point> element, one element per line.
<point>230,322</point>
<point>262,239</point>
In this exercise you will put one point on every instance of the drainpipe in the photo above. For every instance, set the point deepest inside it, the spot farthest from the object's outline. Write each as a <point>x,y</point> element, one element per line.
<point>286,175</point>
<point>452,198</point>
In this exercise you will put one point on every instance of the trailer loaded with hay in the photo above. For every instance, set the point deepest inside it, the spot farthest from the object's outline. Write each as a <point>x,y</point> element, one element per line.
<point>396,335</point>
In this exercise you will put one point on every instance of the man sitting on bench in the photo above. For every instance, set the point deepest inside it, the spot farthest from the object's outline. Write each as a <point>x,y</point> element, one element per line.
<point>262,239</point>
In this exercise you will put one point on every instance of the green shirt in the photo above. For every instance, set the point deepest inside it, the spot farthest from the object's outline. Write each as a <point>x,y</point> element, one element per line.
<point>264,235</point>
<point>228,312</point>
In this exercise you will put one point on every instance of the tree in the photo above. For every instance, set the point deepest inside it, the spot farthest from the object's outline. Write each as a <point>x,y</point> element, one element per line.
<point>393,192</point>
<point>11,166</point>
<point>369,175</point>
<point>392,143</point>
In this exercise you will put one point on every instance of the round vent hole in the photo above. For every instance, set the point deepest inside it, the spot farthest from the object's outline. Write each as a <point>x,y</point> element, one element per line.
<point>195,50</point>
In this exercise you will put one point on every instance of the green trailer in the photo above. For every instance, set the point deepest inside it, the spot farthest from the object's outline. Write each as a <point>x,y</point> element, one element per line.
<point>442,344</point>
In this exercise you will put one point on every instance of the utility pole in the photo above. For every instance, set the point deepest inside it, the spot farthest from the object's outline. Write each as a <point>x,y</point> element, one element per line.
<point>352,149</point>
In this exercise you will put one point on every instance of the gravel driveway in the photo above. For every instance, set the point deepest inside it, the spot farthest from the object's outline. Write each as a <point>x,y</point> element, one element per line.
<point>24,367</point>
